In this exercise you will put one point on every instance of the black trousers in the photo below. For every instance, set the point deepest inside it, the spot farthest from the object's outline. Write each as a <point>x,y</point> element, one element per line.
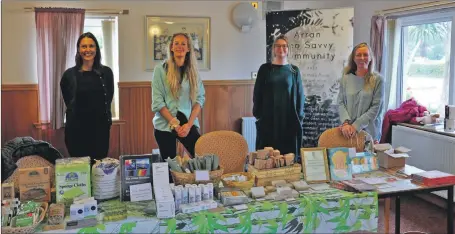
<point>167,142</point>
<point>86,139</point>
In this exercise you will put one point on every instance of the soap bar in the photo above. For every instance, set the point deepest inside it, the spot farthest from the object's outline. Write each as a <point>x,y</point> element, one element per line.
<point>270,189</point>
<point>257,192</point>
<point>252,157</point>
<point>263,154</point>
<point>276,182</point>
<point>300,185</point>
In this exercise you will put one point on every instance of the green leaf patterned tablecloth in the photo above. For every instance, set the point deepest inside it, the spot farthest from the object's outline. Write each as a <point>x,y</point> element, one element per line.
<point>332,211</point>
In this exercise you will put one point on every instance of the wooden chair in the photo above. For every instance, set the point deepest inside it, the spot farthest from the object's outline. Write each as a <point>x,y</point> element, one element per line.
<point>231,148</point>
<point>333,137</point>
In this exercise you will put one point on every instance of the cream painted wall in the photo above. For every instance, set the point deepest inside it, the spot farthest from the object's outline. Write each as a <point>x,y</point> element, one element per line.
<point>234,54</point>
<point>363,11</point>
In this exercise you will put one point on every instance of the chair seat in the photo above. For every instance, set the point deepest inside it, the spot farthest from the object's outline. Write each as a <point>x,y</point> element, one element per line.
<point>333,137</point>
<point>230,146</point>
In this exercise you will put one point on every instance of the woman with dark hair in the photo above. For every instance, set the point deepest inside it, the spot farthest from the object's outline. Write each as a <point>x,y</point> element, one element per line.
<point>88,89</point>
<point>278,102</point>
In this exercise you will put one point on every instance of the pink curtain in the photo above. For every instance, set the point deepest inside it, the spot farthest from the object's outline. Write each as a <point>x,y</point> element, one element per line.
<point>57,31</point>
<point>377,39</point>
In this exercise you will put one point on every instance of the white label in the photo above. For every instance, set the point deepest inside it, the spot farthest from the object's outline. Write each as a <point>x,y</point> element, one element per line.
<point>141,192</point>
<point>202,175</point>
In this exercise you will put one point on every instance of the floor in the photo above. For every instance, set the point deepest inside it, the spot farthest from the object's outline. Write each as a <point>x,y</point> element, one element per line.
<point>416,215</point>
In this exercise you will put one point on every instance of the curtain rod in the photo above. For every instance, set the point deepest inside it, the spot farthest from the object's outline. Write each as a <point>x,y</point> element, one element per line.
<point>93,11</point>
<point>444,4</point>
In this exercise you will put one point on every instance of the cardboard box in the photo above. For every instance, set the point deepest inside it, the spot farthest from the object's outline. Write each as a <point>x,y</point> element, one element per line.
<point>35,184</point>
<point>165,205</point>
<point>389,157</point>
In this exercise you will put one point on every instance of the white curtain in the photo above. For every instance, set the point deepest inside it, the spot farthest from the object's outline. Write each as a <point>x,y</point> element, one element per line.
<point>108,27</point>
<point>391,59</point>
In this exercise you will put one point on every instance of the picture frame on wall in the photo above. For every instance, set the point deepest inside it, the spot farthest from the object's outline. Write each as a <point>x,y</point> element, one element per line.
<point>160,29</point>
<point>315,165</point>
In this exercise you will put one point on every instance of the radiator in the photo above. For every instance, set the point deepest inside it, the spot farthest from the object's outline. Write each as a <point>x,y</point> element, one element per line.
<point>430,151</point>
<point>249,132</point>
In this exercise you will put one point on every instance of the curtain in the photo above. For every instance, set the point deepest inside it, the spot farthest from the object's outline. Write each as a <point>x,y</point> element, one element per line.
<point>377,39</point>
<point>392,53</point>
<point>108,27</point>
<point>57,31</point>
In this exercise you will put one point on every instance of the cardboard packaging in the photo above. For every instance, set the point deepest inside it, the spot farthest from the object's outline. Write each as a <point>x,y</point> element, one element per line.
<point>389,157</point>
<point>165,203</point>
<point>35,184</point>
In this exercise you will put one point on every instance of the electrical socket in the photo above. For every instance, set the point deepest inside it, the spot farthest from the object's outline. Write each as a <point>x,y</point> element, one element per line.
<point>254,75</point>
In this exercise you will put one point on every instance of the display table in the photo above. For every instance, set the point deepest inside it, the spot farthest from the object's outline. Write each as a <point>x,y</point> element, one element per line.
<point>328,211</point>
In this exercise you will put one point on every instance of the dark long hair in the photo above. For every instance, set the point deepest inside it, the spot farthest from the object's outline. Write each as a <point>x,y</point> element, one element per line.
<point>97,63</point>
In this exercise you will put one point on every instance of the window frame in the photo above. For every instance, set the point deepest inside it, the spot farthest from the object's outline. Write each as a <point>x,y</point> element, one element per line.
<point>426,18</point>
<point>116,70</point>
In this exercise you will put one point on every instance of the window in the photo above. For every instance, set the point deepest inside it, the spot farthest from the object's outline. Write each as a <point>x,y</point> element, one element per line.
<point>105,29</point>
<point>426,68</point>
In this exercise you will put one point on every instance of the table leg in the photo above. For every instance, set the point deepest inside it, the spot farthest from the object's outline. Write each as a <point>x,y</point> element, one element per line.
<point>397,215</point>
<point>387,215</point>
<point>450,210</point>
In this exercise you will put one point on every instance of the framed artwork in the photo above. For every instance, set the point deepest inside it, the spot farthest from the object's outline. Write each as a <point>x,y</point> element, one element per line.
<point>159,31</point>
<point>315,165</point>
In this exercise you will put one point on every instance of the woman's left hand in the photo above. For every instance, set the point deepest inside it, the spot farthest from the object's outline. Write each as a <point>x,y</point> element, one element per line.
<point>352,131</point>
<point>184,130</point>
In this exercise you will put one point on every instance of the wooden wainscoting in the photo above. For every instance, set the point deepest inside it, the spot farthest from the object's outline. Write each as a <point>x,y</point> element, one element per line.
<point>227,101</point>
<point>20,118</point>
<point>20,109</point>
<point>136,110</point>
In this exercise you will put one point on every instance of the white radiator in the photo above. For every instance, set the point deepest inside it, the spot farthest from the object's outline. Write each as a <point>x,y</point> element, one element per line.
<point>430,151</point>
<point>249,132</point>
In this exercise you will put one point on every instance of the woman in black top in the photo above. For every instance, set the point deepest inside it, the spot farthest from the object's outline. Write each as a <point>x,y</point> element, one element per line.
<point>88,89</point>
<point>278,102</point>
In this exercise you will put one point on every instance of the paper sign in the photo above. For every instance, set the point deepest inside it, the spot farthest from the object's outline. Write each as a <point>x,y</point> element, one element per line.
<point>141,192</point>
<point>202,175</point>
<point>241,207</point>
<point>374,181</point>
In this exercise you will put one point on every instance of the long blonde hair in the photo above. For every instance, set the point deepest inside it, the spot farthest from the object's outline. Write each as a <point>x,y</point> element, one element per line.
<point>370,77</point>
<point>190,64</point>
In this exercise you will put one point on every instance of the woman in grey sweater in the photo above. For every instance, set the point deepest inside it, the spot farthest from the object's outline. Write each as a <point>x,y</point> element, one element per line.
<point>361,96</point>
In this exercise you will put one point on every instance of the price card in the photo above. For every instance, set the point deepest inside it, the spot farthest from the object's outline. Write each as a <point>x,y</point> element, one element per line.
<point>202,175</point>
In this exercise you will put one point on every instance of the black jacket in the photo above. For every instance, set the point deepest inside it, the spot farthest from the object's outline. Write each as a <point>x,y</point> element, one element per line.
<point>25,146</point>
<point>68,86</point>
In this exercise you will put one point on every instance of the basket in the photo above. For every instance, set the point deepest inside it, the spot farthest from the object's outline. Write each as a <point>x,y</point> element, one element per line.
<point>190,178</point>
<point>236,184</point>
<point>266,176</point>
<point>30,229</point>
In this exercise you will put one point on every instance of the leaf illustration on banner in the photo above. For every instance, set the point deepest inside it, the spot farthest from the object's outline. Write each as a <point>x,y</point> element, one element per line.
<point>200,221</point>
<point>92,230</point>
<point>171,225</point>
<point>245,224</point>
<point>357,226</point>
<point>267,206</point>
<point>127,227</point>
<point>273,228</point>
<point>213,225</point>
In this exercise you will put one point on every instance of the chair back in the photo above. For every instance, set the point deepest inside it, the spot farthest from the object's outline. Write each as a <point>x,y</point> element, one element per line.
<point>333,137</point>
<point>231,148</point>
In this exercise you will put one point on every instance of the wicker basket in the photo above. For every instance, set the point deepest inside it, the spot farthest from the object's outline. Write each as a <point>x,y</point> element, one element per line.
<point>190,178</point>
<point>235,184</point>
<point>30,229</point>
